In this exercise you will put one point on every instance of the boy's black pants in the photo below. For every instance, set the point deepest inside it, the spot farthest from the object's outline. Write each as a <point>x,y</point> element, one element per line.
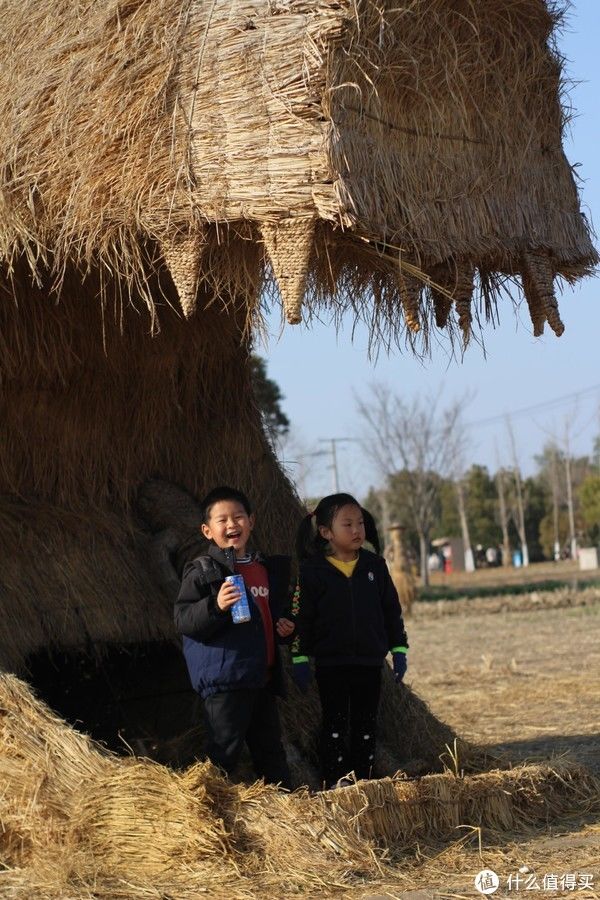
<point>233,717</point>
<point>349,701</point>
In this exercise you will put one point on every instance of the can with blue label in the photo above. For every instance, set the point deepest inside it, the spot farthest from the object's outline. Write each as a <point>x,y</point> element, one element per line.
<point>240,611</point>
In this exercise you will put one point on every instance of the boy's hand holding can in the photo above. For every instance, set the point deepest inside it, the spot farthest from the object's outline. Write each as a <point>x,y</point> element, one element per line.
<point>229,593</point>
<point>240,610</point>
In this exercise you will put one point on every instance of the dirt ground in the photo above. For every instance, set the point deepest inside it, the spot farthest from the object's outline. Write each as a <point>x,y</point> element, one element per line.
<point>525,683</point>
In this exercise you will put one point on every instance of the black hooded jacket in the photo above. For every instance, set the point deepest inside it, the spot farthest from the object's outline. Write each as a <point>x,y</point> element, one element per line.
<point>348,621</point>
<point>220,655</point>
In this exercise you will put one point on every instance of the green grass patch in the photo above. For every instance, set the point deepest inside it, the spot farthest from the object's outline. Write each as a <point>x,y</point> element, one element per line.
<point>443,592</point>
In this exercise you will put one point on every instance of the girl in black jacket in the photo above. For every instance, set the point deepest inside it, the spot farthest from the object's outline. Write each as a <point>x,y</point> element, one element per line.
<point>348,617</point>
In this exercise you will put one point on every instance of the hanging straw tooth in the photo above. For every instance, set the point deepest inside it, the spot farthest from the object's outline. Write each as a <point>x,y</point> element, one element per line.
<point>442,277</point>
<point>463,295</point>
<point>538,285</point>
<point>442,306</point>
<point>182,254</point>
<point>457,282</point>
<point>289,244</point>
<point>410,293</point>
<point>537,313</point>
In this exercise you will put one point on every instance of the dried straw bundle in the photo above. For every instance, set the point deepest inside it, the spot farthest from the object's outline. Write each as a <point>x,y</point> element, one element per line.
<point>78,822</point>
<point>415,137</point>
<point>395,811</point>
<point>73,813</point>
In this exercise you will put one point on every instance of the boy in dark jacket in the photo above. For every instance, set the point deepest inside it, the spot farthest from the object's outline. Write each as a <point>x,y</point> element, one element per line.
<point>236,668</point>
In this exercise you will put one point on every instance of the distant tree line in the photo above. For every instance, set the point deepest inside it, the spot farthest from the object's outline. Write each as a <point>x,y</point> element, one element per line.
<point>544,495</point>
<point>428,484</point>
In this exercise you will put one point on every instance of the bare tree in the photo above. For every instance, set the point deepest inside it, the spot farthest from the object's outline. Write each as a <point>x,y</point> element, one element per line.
<point>566,457</point>
<point>456,463</point>
<point>501,489</point>
<point>555,488</point>
<point>504,519</point>
<point>464,524</point>
<point>569,481</point>
<point>416,438</point>
<point>520,505</point>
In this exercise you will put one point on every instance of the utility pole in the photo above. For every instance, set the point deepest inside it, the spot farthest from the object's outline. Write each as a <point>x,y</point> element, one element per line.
<point>333,442</point>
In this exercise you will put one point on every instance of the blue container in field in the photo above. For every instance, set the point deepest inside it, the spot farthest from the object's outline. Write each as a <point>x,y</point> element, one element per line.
<point>517,559</point>
<point>240,611</point>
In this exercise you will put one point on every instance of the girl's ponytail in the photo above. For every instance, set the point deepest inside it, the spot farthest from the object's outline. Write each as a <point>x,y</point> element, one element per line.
<point>305,537</point>
<point>371,530</point>
<point>309,540</point>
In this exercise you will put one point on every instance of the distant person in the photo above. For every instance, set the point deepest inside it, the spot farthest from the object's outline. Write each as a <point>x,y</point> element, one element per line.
<point>434,563</point>
<point>491,556</point>
<point>447,558</point>
<point>348,618</point>
<point>236,668</point>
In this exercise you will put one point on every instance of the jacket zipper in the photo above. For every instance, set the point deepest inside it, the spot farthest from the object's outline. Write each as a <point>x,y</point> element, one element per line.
<point>353,615</point>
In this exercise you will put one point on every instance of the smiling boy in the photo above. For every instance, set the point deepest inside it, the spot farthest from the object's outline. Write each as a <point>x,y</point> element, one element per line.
<point>236,668</point>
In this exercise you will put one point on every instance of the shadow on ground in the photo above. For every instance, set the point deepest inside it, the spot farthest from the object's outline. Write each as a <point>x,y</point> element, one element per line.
<point>581,748</point>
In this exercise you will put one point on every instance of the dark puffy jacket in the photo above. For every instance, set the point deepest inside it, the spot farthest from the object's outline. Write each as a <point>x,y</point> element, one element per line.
<point>348,621</point>
<point>220,655</point>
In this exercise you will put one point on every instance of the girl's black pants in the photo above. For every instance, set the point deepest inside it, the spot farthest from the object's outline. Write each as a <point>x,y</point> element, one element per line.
<point>349,701</point>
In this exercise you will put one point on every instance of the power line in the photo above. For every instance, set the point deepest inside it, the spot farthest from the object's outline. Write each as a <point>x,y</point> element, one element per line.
<point>527,410</point>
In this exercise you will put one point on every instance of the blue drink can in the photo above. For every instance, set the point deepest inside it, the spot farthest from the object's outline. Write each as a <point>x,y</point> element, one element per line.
<point>240,611</point>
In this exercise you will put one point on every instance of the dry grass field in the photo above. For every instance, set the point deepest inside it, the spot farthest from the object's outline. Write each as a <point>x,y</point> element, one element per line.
<point>525,683</point>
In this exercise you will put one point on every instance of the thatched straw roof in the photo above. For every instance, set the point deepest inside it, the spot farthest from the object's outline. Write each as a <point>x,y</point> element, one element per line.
<point>351,140</point>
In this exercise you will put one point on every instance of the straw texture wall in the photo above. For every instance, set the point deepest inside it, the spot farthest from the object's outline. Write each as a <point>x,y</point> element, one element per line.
<point>392,136</point>
<point>92,406</point>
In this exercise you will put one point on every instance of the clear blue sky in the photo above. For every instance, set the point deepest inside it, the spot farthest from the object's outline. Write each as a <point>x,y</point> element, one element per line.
<point>320,373</point>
